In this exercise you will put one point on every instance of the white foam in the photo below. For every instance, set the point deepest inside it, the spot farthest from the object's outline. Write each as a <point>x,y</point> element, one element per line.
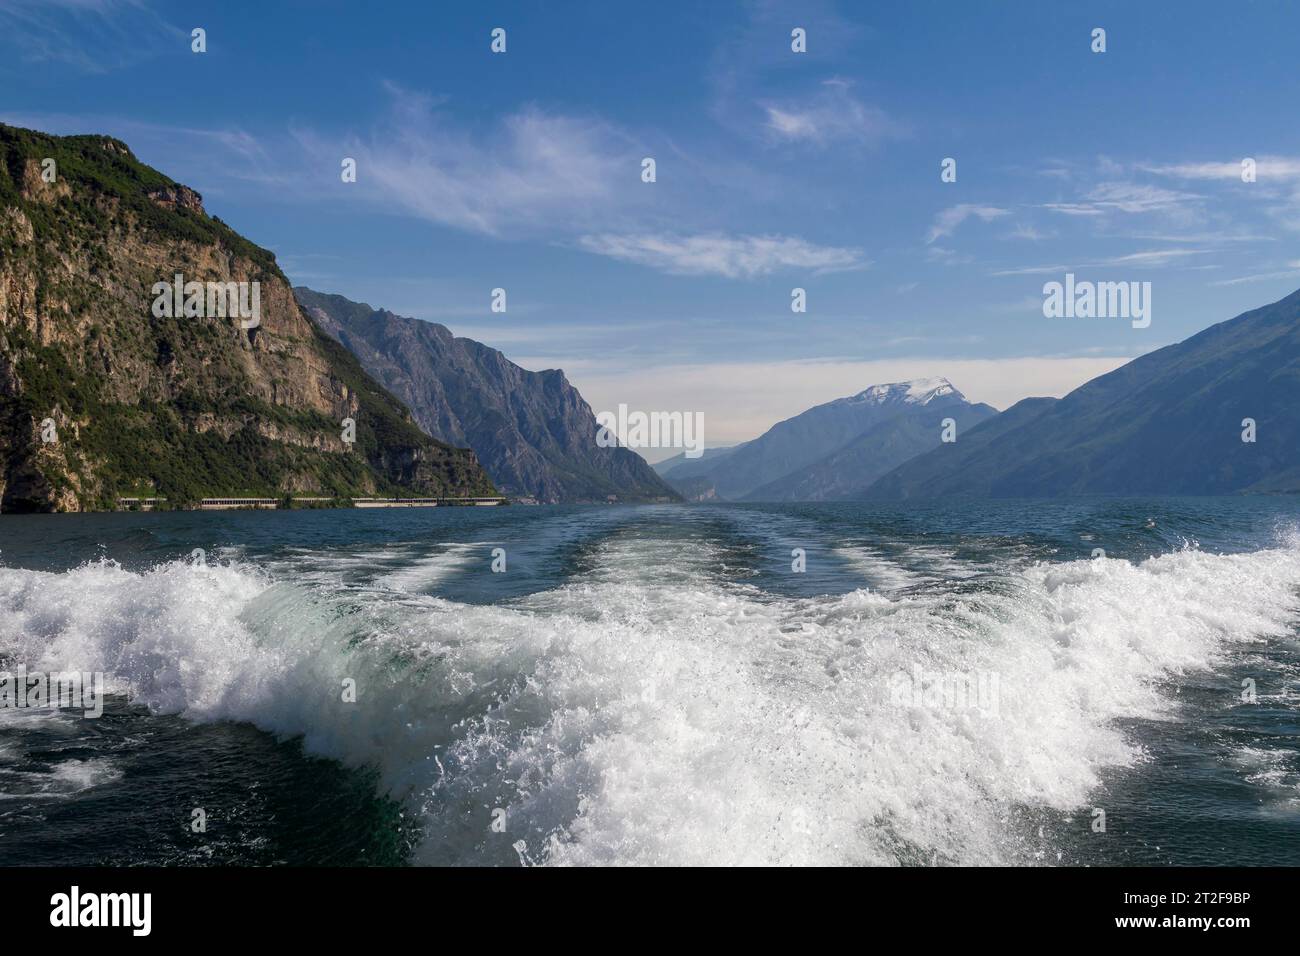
<point>881,573</point>
<point>1271,768</point>
<point>942,562</point>
<point>429,570</point>
<point>66,779</point>
<point>641,717</point>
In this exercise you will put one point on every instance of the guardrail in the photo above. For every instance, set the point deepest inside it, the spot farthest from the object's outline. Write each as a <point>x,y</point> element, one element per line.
<point>421,502</point>
<point>226,504</point>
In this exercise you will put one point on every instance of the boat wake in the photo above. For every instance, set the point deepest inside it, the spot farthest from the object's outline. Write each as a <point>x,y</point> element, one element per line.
<point>651,711</point>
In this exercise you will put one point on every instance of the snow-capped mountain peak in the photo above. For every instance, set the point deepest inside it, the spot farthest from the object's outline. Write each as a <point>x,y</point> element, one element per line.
<point>919,391</point>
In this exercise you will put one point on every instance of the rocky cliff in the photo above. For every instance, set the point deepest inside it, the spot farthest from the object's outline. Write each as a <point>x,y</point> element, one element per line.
<point>110,385</point>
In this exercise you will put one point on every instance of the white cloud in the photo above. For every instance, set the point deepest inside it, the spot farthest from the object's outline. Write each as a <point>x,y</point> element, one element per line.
<point>535,170</point>
<point>790,124</point>
<point>832,114</point>
<point>1136,198</point>
<point>1031,271</point>
<point>1291,270</point>
<point>1125,197</point>
<point>1148,258</point>
<point>1030,233</point>
<point>719,254</point>
<point>1277,183</point>
<point>1210,238</point>
<point>950,257</point>
<point>946,223</point>
<point>1266,168</point>
<point>1073,209</point>
<point>1152,257</point>
<point>94,36</point>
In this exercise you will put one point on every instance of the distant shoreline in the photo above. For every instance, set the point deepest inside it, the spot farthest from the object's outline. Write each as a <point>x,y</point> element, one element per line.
<point>235,503</point>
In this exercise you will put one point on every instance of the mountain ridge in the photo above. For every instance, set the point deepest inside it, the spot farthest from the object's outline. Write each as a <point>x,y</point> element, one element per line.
<point>847,472</point>
<point>533,431</point>
<point>796,455</point>
<point>1168,422</point>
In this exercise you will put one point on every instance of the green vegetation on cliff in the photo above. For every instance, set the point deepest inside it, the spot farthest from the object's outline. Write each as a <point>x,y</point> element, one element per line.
<point>179,407</point>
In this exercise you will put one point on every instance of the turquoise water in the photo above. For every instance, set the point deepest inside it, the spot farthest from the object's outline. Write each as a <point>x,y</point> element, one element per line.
<point>951,684</point>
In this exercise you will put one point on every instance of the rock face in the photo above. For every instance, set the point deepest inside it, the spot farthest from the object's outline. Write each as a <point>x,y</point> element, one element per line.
<point>534,433</point>
<point>834,450</point>
<point>103,394</point>
<point>1168,423</point>
<point>178,196</point>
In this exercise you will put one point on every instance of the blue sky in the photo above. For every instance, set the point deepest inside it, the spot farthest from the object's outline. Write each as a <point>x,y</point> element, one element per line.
<point>775,170</point>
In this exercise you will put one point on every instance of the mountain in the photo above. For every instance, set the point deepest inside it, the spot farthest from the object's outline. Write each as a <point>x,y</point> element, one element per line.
<point>689,476</point>
<point>1169,422</point>
<point>679,463</point>
<point>847,472</point>
<point>108,389</point>
<point>967,452</point>
<point>784,452</point>
<point>534,433</point>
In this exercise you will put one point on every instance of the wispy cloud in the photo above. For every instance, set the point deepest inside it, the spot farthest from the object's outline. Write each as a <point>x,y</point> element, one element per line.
<point>535,170</point>
<point>1030,233</point>
<point>746,64</point>
<point>93,36</point>
<point>1138,198</point>
<point>1207,238</point>
<point>724,255</point>
<point>1125,197</point>
<point>535,175</point>
<point>1031,271</point>
<point>1147,258</point>
<point>1279,168</point>
<point>832,114</point>
<point>1290,272</point>
<point>950,257</point>
<point>1151,257</point>
<point>946,223</point>
<point>1073,208</point>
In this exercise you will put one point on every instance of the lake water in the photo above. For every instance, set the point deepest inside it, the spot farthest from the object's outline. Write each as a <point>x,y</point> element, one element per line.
<point>941,684</point>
